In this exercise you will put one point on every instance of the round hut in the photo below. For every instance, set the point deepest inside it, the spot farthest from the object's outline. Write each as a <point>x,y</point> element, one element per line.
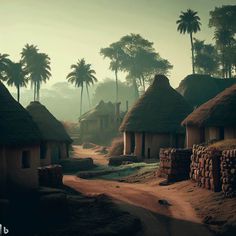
<point>19,145</point>
<point>55,140</point>
<point>214,120</point>
<point>154,122</point>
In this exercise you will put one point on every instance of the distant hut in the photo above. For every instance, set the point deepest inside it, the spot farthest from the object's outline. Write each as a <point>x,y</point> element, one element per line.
<point>100,123</point>
<point>55,140</point>
<point>214,120</point>
<point>19,145</point>
<point>155,120</point>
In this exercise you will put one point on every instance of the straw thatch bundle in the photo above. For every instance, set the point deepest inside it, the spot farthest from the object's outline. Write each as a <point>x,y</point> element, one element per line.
<point>160,110</point>
<point>50,128</point>
<point>16,125</point>
<point>219,111</point>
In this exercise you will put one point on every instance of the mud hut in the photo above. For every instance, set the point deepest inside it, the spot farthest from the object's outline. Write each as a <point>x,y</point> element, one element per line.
<point>100,123</point>
<point>55,140</point>
<point>214,120</point>
<point>19,145</point>
<point>154,122</point>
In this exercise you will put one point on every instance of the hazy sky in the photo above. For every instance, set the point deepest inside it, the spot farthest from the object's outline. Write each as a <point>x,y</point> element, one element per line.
<point>70,29</point>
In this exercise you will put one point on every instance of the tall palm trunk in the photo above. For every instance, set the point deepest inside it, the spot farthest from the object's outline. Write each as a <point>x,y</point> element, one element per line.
<point>34,91</point>
<point>192,49</point>
<point>18,93</point>
<point>88,95</point>
<point>81,99</point>
<point>116,75</point>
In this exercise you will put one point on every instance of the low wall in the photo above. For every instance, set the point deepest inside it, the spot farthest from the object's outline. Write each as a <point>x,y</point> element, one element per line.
<point>205,167</point>
<point>228,172</point>
<point>50,176</point>
<point>175,163</point>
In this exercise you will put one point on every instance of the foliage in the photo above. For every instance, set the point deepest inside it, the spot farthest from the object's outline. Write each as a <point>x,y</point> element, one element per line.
<point>81,75</point>
<point>138,58</point>
<point>223,20</point>
<point>206,58</point>
<point>17,77</point>
<point>4,65</point>
<point>189,22</point>
<point>106,91</point>
<point>37,65</point>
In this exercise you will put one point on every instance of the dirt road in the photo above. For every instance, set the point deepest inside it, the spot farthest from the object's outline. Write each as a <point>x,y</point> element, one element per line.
<point>142,200</point>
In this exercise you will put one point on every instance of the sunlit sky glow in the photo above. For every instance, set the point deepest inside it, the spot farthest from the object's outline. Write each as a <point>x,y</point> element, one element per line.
<point>70,29</point>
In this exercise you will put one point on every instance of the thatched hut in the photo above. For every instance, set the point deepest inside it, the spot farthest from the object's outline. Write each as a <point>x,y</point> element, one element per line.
<point>154,122</point>
<point>100,123</point>
<point>55,140</point>
<point>214,120</point>
<point>19,145</point>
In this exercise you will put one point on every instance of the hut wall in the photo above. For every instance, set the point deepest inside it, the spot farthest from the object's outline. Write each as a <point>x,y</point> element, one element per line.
<point>22,167</point>
<point>127,143</point>
<point>153,143</point>
<point>212,133</point>
<point>230,133</point>
<point>63,150</point>
<point>193,136</point>
<point>3,171</point>
<point>138,144</point>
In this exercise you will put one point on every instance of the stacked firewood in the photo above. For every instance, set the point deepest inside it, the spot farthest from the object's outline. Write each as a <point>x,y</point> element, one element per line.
<point>174,163</point>
<point>50,176</point>
<point>205,167</point>
<point>228,172</point>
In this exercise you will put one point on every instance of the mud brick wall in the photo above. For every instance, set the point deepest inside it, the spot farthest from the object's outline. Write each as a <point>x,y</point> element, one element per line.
<point>174,163</point>
<point>50,176</point>
<point>205,167</point>
<point>228,172</point>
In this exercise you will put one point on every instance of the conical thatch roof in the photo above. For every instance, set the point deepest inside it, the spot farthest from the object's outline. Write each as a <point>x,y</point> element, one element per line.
<point>101,109</point>
<point>160,110</point>
<point>219,111</point>
<point>50,128</point>
<point>198,89</point>
<point>16,125</point>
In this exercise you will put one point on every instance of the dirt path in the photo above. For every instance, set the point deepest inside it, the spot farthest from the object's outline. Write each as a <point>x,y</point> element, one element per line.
<point>141,200</point>
<point>99,159</point>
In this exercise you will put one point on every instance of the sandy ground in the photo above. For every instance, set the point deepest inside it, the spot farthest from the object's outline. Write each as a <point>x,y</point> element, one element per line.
<point>142,200</point>
<point>98,159</point>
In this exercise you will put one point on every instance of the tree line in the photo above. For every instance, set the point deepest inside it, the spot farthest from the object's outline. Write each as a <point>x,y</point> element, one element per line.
<point>135,56</point>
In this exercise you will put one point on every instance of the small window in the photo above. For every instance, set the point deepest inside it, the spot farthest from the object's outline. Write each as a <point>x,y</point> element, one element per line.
<point>25,160</point>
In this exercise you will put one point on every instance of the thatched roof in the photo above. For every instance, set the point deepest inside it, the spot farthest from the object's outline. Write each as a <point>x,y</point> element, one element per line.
<point>16,125</point>
<point>198,89</point>
<point>160,110</point>
<point>219,111</point>
<point>50,128</point>
<point>101,109</point>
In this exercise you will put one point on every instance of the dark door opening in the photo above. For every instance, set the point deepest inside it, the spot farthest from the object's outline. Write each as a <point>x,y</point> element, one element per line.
<point>132,139</point>
<point>143,144</point>
<point>202,135</point>
<point>222,133</point>
<point>149,153</point>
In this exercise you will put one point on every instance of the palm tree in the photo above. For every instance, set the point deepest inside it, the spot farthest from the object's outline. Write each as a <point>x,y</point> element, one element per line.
<point>4,64</point>
<point>16,76</point>
<point>81,75</point>
<point>189,22</point>
<point>114,53</point>
<point>37,66</point>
